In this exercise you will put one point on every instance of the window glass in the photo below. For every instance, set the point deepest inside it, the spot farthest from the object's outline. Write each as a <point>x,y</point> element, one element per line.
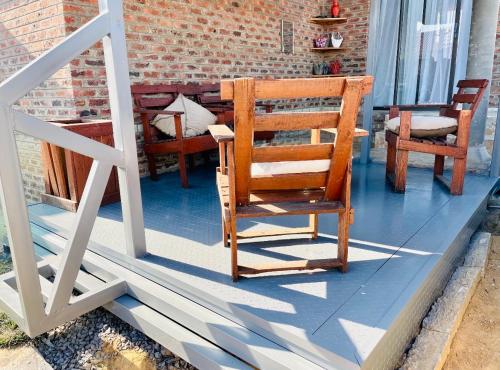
<point>415,51</point>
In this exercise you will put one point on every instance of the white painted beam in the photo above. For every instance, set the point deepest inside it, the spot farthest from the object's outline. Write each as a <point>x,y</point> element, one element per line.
<point>43,67</point>
<point>39,129</point>
<point>120,99</point>
<point>18,227</point>
<point>10,304</point>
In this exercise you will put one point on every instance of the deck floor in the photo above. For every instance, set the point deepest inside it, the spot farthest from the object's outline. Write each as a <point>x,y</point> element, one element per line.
<point>396,242</point>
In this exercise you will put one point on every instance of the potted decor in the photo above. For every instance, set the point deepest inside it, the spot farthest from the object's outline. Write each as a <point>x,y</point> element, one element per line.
<point>66,172</point>
<point>336,40</point>
<point>335,9</point>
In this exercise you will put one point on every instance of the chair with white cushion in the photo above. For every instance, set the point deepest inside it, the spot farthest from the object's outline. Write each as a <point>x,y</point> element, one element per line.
<point>287,180</point>
<point>429,134</point>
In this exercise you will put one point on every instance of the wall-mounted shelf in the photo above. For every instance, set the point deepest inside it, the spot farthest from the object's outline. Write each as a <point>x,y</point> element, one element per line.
<point>328,49</point>
<point>327,21</point>
<point>338,75</point>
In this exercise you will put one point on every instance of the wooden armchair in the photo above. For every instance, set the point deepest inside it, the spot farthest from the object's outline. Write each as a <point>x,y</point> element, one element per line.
<point>309,179</point>
<point>403,136</point>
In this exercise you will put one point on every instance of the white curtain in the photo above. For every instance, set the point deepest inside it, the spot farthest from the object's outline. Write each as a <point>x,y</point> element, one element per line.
<point>409,54</point>
<point>386,52</point>
<point>437,51</point>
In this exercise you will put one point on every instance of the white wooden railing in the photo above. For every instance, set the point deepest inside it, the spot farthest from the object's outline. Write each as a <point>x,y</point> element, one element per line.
<point>23,293</point>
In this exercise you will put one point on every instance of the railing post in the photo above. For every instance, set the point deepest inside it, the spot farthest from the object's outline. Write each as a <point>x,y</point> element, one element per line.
<point>116,57</point>
<point>18,226</point>
<point>495,157</point>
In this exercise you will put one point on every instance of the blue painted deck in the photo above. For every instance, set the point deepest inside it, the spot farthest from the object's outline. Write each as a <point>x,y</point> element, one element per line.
<point>402,249</point>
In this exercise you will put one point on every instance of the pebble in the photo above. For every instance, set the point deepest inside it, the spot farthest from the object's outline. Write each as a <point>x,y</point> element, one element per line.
<point>79,344</point>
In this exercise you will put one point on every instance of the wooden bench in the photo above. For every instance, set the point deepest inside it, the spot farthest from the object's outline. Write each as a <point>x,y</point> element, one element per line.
<point>151,100</point>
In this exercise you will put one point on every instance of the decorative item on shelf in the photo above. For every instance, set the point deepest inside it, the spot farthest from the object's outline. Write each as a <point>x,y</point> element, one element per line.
<point>326,68</point>
<point>317,68</point>
<point>335,67</point>
<point>335,9</point>
<point>321,69</point>
<point>336,40</point>
<point>321,42</point>
<point>325,12</point>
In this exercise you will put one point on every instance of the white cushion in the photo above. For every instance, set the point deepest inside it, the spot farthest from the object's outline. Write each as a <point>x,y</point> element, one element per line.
<point>195,120</point>
<point>281,168</point>
<point>425,126</point>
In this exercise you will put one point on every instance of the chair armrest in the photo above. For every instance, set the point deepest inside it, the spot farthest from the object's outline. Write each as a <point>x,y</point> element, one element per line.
<point>463,130</point>
<point>217,108</point>
<point>221,133</point>
<point>404,107</point>
<point>159,112</point>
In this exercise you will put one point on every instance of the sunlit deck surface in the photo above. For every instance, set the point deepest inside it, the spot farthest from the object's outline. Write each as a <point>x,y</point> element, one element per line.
<point>401,252</point>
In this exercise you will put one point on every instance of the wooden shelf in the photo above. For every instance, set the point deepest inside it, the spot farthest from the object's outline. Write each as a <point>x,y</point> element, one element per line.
<point>319,76</point>
<point>327,21</point>
<point>328,49</point>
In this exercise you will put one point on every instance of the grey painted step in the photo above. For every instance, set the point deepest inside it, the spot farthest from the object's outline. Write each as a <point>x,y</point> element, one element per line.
<point>233,338</point>
<point>184,343</point>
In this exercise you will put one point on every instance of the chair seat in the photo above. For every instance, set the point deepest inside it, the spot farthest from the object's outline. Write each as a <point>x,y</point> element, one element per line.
<point>282,168</point>
<point>426,126</point>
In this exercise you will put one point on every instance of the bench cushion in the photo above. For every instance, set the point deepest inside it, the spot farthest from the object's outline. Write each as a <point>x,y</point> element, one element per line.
<point>426,126</point>
<point>281,168</point>
<point>195,120</point>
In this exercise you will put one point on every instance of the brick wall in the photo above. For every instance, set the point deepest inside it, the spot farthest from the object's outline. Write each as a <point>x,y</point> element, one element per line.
<point>205,41</point>
<point>28,28</point>
<point>168,41</point>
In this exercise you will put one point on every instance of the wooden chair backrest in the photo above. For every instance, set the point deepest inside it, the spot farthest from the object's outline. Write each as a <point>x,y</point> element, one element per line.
<point>464,96</point>
<point>245,91</point>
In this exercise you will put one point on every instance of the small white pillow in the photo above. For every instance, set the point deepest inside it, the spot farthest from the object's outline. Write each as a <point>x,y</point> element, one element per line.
<point>195,120</point>
<point>281,168</point>
<point>426,126</point>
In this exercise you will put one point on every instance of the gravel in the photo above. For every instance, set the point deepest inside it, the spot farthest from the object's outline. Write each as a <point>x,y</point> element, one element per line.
<point>96,338</point>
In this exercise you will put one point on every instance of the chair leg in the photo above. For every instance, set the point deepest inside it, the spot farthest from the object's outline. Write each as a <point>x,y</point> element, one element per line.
<point>183,170</point>
<point>438,165</point>
<point>234,250</point>
<point>391,160</point>
<point>313,224</point>
<point>457,176</point>
<point>401,171</point>
<point>225,232</point>
<point>343,240</point>
<point>152,167</point>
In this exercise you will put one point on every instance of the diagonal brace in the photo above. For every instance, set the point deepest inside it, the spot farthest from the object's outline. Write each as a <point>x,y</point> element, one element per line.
<point>77,243</point>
